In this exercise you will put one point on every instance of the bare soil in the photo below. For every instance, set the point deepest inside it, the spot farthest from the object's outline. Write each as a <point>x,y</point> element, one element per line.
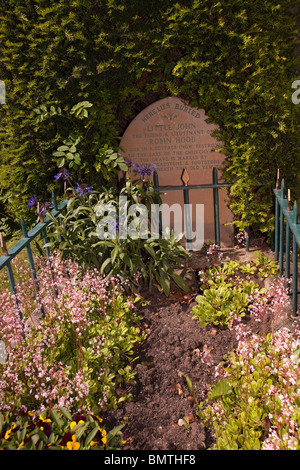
<point>162,415</point>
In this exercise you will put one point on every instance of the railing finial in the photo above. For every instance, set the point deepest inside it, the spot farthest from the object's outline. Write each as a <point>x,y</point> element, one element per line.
<point>289,204</point>
<point>3,245</point>
<point>185,177</point>
<point>41,216</point>
<point>277,180</point>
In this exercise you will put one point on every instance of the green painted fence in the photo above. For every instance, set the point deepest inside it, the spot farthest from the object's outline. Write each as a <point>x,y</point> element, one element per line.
<point>215,186</point>
<point>24,243</point>
<point>287,230</point>
<point>40,228</point>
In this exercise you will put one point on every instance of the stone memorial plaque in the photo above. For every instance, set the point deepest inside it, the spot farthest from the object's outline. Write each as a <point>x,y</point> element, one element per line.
<point>174,137</point>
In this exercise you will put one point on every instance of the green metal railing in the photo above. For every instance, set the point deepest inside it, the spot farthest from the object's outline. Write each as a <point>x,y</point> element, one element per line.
<point>215,186</point>
<point>28,237</point>
<point>285,212</point>
<point>40,228</point>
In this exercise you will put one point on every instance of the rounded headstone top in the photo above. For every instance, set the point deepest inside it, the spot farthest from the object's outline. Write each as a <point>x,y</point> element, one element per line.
<point>172,135</point>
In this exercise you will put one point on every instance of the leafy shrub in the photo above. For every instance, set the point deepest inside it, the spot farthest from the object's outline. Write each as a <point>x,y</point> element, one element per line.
<point>219,305</point>
<point>228,289</point>
<point>266,267</point>
<point>57,430</point>
<point>122,56</point>
<point>139,254</point>
<point>256,405</point>
<point>80,353</point>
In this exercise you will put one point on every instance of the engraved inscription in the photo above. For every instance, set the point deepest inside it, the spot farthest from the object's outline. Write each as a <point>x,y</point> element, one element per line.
<point>172,135</point>
<point>175,136</point>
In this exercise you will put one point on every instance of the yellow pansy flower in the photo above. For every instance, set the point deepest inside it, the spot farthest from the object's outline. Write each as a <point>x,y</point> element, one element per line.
<point>104,438</point>
<point>73,445</point>
<point>45,420</point>
<point>9,431</point>
<point>73,423</point>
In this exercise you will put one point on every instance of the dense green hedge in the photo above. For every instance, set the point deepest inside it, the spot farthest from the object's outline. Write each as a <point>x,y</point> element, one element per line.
<point>234,58</point>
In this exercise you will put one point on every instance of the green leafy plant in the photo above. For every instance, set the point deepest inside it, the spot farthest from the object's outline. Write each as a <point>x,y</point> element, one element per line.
<point>107,160</point>
<point>255,406</point>
<point>227,291</point>
<point>219,305</point>
<point>57,429</point>
<point>228,274</point>
<point>67,154</point>
<point>153,259</point>
<point>266,267</point>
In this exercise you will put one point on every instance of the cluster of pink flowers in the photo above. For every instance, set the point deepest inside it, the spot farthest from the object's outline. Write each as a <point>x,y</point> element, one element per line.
<point>271,304</point>
<point>35,374</point>
<point>11,327</point>
<point>241,239</point>
<point>274,359</point>
<point>213,252</point>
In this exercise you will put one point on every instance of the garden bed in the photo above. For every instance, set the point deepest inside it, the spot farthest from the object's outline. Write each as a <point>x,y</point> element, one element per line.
<point>161,358</point>
<point>162,415</point>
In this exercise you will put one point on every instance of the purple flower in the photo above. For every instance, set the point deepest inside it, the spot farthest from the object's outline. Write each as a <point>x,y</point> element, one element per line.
<point>63,173</point>
<point>44,207</point>
<point>83,189</point>
<point>146,170</point>
<point>113,225</point>
<point>128,161</point>
<point>32,201</point>
<point>131,163</point>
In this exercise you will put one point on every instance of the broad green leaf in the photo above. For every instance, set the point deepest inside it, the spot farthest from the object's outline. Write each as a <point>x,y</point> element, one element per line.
<point>81,430</point>
<point>66,413</point>
<point>180,281</point>
<point>104,265</point>
<point>164,281</point>
<point>222,388</point>
<point>56,418</point>
<point>91,436</point>
<point>61,162</point>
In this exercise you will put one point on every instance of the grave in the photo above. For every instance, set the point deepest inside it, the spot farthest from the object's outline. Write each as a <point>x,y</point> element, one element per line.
<point>176,137</point>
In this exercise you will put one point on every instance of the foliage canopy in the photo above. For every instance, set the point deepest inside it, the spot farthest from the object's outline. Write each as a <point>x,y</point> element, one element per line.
<point>236,59</point>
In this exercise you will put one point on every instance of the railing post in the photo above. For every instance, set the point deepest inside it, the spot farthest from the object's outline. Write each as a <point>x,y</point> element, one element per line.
<point>10,275</point>
<point>281,231</point>
<point>32,267</point>
<point>156,184</point>
<point>187,216</point>
<point>276,241</point>
<point>216,207</point>
<point>295,262</point>
<point>287,240</point>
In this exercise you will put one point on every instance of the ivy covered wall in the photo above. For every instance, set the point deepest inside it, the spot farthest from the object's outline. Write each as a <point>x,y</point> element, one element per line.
<point>234,58</point>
